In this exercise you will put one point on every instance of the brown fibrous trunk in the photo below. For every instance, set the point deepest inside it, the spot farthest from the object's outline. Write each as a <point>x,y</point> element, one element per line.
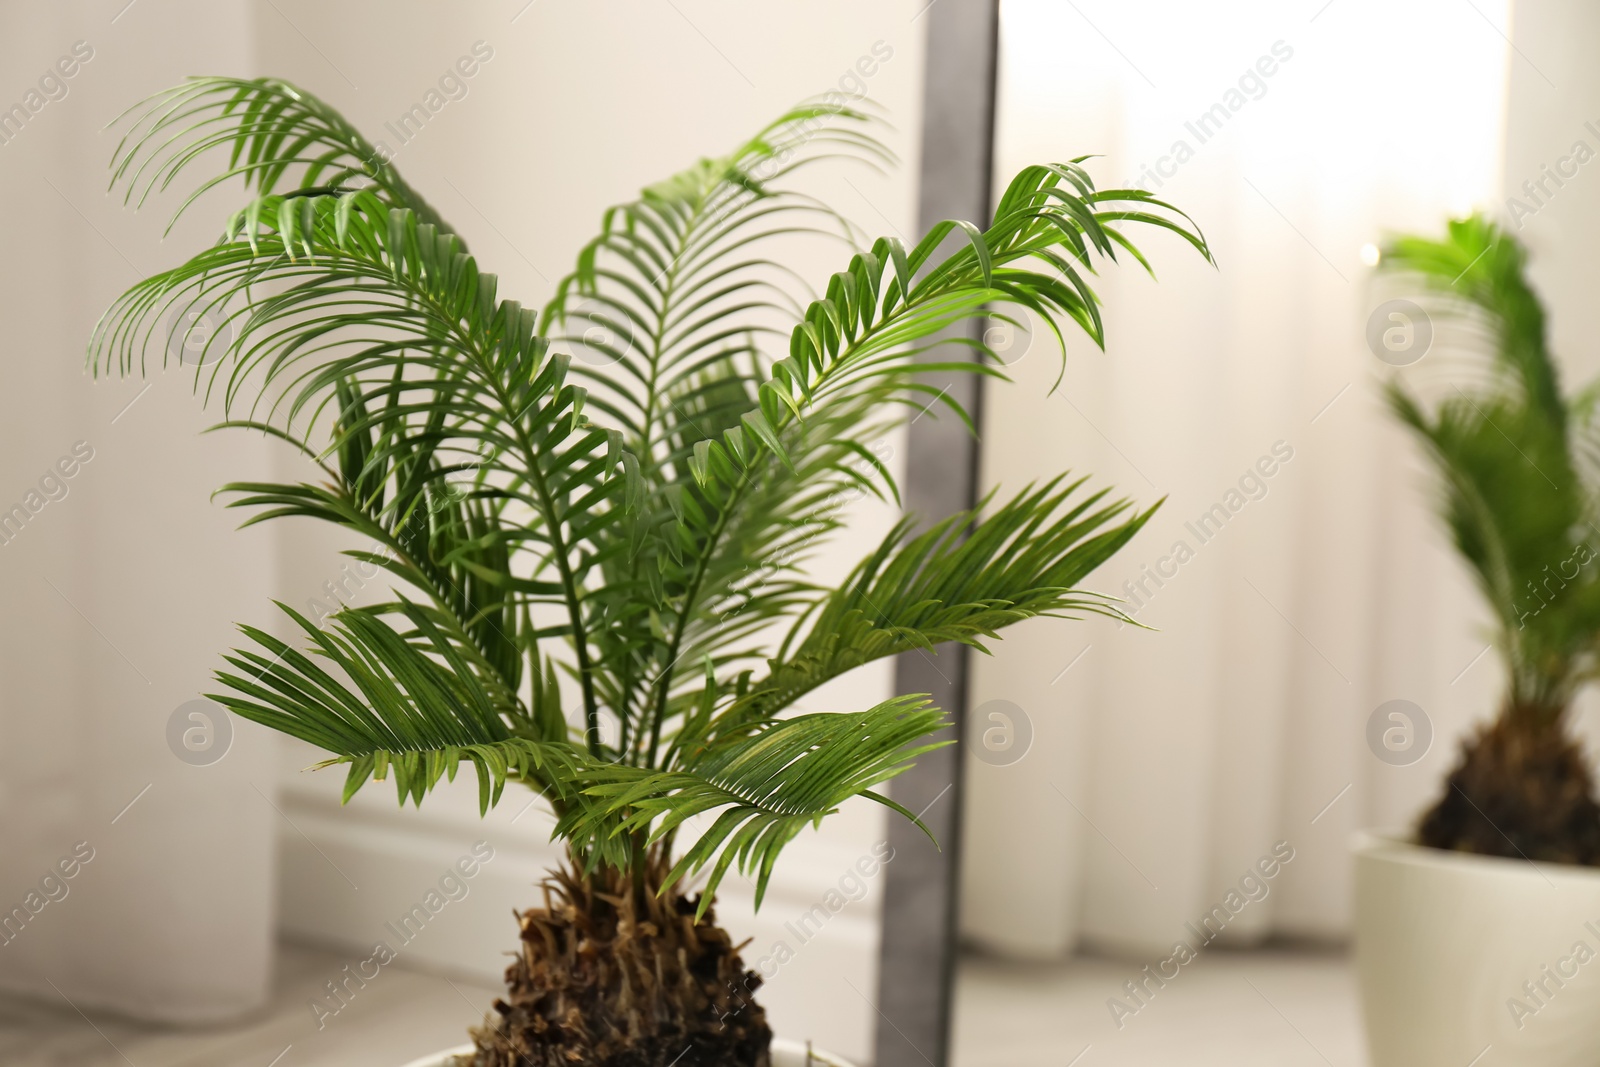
<point>613,972</point>
<point>1522,789</point>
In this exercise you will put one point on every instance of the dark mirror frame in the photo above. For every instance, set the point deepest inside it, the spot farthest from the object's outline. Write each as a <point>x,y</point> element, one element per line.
<point>920,940</point>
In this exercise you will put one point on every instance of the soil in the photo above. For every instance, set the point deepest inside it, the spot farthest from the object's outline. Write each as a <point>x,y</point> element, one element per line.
<point>1522,790</point>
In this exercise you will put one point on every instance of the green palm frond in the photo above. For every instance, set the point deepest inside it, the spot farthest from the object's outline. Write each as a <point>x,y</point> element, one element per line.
<point>275,136</point>
<point>666,312</point>
<point>1508,455</point>
<point>961,580</point>
<point>854,354</point>
<point>676,283</point>
<point>391,324</point>
<point>1478,266</point>
<point>765,788</point>
<point>624,489</point>
<point>406,703</point>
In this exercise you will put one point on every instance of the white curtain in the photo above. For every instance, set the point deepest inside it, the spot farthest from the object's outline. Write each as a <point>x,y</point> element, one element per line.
<point>1165,765</point>
<point>133,881</point>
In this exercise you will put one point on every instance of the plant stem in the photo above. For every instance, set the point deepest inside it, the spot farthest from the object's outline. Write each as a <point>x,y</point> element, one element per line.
<point>701,567</point>
<point>569,588</point>
<point>558,549</point>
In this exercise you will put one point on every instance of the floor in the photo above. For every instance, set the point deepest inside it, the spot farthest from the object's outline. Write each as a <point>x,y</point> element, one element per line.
<point>1243,1009</point>
<point>1273,1009</point>
<point>397,1017</point>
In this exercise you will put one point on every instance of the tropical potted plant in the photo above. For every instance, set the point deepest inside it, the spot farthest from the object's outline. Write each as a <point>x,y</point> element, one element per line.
<point>594,514</point>
<point>1478,929</point>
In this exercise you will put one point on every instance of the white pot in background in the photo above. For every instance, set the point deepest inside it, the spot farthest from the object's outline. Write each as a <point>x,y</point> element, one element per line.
<point>1445,942</point>
<point>784,1054</point>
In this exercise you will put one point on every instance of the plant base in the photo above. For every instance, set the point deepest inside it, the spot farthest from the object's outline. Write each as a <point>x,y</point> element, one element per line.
<point>614,974</point>
<point>1520,791</point>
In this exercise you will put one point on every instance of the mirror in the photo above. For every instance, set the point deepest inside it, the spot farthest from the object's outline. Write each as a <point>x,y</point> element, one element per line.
<point>1156,815</point>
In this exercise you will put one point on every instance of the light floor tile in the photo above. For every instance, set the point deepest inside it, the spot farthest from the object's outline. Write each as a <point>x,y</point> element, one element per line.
<point>1239,1009</point>
<point>400,1015</point>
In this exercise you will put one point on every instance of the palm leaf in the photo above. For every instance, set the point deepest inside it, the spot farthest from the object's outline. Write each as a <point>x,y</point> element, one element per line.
<point>766,787</point>
<point>392,324</point>
<point>410,706</point>
<point>855,353</point>
<point>1510,460</point>
<point>962,580</point>
<point>276,136</point>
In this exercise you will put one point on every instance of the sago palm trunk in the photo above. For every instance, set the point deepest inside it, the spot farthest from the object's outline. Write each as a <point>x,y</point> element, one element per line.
<point>610,972</point>
<point>1522,789</point>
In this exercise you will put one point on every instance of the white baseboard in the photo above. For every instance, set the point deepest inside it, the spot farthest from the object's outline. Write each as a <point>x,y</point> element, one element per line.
<point>349,874</point>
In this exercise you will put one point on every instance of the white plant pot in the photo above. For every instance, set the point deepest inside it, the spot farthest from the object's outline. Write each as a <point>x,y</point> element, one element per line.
<point>784,1054</point>
<point>1445,942</point>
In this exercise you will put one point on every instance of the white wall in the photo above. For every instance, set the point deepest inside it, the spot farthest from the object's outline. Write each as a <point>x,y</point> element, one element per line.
<point>580,106</point>
<point>119,594</point>
<point>1555,103</point>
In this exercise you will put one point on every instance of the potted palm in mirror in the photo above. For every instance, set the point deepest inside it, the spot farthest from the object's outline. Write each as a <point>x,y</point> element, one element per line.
<point>594,515</point>
<point>1475,932</point>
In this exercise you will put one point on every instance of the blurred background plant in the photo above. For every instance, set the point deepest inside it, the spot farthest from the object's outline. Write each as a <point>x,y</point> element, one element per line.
<point>1517,460</point>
